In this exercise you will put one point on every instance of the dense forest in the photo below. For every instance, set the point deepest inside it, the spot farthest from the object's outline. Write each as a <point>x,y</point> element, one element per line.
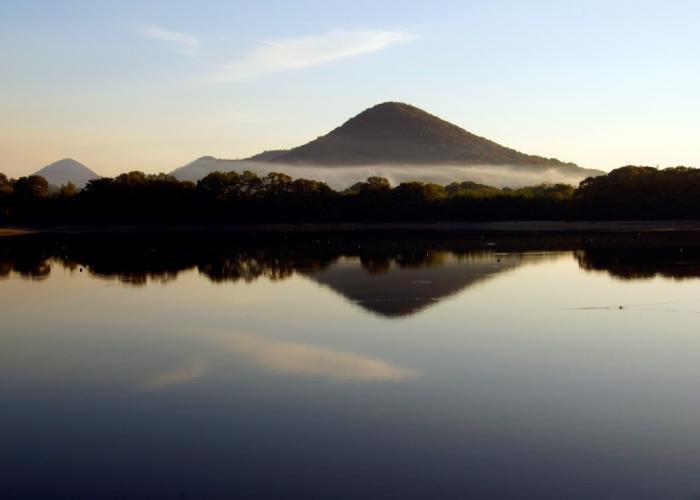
<point>240,198</point>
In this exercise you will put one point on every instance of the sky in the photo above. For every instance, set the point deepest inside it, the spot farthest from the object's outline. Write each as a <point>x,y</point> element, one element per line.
<point>137,85</point>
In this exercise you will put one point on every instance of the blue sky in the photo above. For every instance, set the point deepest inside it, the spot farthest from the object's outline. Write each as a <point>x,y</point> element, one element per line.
<point>153,85</point>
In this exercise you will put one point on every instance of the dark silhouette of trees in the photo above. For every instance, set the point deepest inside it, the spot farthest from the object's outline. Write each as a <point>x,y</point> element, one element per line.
<point>5,185</point>
<point>375,184</point>
<point>30,188</point>
<point>28,201</point>
<point>6,192</point>
<point>641,193</point>
<point>471,190</point>
<point>134,198</point>
<point>241,198</point>
<point>231,197</point>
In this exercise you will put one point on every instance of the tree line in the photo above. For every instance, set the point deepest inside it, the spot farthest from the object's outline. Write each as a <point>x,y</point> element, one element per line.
<point>238,198</point>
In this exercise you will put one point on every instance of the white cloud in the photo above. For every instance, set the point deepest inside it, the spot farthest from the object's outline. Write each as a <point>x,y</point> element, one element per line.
<point>187,43</point>
<point>301,52</point>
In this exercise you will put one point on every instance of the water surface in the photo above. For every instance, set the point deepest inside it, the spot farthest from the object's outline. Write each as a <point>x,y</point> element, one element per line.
<point>412,372</point>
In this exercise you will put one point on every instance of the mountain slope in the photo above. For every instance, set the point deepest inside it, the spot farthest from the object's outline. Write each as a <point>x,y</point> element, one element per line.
<point>67,170</point>
<point>398,133</point>
<point>201,167</point>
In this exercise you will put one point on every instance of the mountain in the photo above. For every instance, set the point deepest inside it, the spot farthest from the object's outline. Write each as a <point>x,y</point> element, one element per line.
<point>398,133</point>
<point>67,170</point>
<point>402,143</point>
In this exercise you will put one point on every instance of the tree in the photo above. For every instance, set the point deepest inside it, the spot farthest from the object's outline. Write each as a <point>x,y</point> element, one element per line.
<point>5,184</point>
<point>419,192</point>
<point>67,190</point>
<point>375,184</point>
<point>220,185</point>
<point>275,184</point>
<point>34,186</point>
<point>471,190</point>
<point>307,187</point>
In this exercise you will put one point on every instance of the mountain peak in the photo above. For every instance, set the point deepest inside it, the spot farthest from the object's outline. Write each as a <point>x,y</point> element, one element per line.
<point>67,170</point>
<point>66,162</point>
<point>391,107</point>
<point>396,107</point>
<point>390,118</point>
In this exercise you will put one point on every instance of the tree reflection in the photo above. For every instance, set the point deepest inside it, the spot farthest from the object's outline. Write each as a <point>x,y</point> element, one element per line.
<point>137,262</point>
<point>391,278</point>
<point>642,263</point>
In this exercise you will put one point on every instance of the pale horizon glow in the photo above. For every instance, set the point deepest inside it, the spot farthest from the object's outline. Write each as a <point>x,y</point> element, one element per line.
<point>134,86</point>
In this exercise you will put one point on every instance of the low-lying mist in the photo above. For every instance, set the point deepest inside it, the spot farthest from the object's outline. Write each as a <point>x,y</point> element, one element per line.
<point>340,178</point>
<point>498,176</point>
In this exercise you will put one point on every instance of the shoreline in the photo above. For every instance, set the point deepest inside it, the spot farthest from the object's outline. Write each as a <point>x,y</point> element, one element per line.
<point>524,227</point>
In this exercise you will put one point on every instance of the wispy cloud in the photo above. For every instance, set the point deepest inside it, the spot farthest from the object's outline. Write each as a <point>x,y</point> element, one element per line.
<point>186,43</point>
<point>301,52</point>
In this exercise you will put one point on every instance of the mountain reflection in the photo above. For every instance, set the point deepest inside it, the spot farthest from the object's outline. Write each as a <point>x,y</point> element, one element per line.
<point>391,279</point>
<point>404,285</point>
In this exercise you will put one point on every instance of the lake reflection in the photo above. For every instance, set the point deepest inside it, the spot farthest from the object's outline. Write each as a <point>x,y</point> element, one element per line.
<point>341,369</point>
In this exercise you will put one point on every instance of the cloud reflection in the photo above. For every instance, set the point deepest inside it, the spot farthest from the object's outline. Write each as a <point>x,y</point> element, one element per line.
<point>174,377</point>
<point>295,358</point>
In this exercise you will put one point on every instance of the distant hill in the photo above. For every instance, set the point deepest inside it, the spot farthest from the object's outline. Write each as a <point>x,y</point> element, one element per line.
<point>268,155</point>
<point>67,170</point>
<point>394,132</point>
<point>205,165</point>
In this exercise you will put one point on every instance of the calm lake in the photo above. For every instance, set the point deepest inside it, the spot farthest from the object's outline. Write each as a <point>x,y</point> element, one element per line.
<point>401,370</point>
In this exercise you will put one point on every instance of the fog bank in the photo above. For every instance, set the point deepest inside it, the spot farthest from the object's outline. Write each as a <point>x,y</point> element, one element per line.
<point>342,177</point>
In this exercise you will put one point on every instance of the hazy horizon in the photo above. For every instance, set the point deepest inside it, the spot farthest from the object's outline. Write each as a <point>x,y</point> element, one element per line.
<point>127,86</point>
